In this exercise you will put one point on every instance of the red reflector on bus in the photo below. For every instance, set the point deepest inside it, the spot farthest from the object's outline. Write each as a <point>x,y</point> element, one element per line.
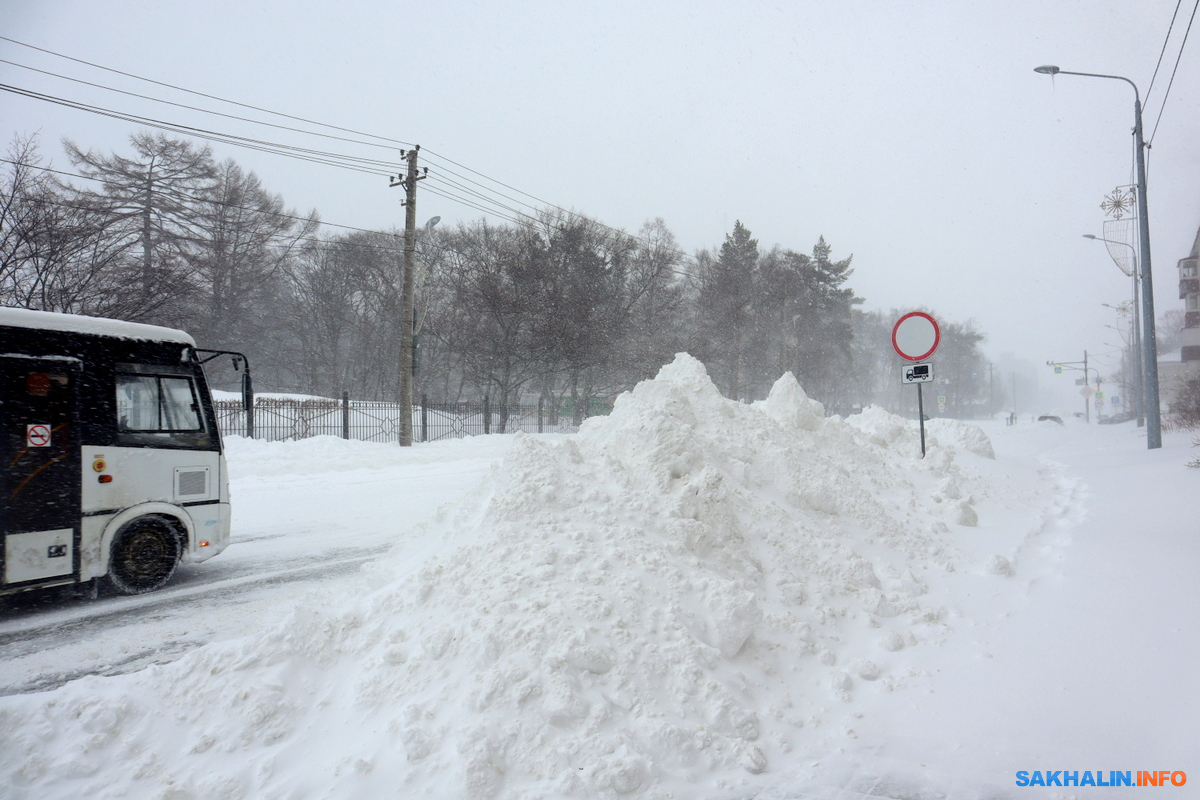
<point>106,478</point>
<point>204,542</point>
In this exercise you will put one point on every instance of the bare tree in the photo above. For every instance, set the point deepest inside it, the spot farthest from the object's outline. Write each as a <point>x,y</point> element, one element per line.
<point>152,197</point>
<point>242,239</point>
<point>654,331</point>
<point>20,211</point>
<point>344,314</point>
<point>496,277</point>
<point>582,310</point>
<point>58,253</point>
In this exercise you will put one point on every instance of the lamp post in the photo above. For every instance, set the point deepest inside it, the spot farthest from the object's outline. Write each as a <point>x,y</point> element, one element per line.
<point>1149,341</point>
<point>1139,388</point>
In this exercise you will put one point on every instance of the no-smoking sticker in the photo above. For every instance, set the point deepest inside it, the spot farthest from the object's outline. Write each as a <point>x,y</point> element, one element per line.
<point>37,435</point>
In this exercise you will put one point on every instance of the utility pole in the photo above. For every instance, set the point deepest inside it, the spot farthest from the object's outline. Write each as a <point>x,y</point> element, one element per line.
<point>1149,337</point>
<point>991,389</point>
<point>1087,404</point>
<point>406,314</point>
<point>1089,389</point>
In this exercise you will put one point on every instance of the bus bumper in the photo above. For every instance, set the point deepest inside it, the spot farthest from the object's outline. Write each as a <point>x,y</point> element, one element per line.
<point>210,526</point>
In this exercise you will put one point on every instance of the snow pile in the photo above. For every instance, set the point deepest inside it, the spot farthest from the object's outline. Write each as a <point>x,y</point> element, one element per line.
<point>666,605</point>
<point>887,430</point>
<point>962,435</point>
<point>892,431</point>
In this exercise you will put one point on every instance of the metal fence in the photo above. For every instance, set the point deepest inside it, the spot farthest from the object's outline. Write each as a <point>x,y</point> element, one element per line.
<point>278,419</point>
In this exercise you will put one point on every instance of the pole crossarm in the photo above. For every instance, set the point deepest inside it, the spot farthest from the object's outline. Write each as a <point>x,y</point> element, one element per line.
<point>1071,365</point>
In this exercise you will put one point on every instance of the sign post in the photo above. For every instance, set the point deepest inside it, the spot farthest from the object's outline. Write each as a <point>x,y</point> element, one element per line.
<point>915,337</point>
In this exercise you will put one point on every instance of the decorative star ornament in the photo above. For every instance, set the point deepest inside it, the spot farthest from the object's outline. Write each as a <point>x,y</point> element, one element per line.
<point>1118,203</point>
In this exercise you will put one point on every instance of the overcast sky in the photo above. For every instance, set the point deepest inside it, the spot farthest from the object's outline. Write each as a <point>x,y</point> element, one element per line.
<point>915,136</point>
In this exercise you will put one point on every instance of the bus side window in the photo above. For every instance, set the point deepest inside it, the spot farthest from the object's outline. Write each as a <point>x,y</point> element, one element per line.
<point>137,403</point>
<point>180,408</point>
<point>160,411</point>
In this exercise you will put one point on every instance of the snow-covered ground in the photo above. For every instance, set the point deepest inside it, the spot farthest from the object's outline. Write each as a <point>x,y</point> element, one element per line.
<point>306,516</point>
<point>691,598</point>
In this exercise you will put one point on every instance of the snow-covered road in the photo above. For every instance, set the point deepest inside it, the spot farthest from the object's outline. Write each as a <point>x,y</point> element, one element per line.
<point>307,515</point>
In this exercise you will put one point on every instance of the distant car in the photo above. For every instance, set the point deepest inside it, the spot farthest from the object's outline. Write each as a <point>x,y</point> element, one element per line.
<point>1050,418</point>
<point>1117,419</point>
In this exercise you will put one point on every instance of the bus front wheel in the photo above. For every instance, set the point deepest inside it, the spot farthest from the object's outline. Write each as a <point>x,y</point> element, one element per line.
<point>144,556</point>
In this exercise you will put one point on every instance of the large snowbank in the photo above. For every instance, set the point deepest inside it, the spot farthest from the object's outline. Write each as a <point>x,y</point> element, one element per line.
<point>677,602</point>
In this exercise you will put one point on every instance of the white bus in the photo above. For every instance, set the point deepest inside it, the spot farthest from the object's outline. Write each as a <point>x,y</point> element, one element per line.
<point>112,465</point>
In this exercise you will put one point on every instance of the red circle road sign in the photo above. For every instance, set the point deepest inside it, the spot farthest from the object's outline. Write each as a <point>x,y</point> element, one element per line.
<point>916,335</point>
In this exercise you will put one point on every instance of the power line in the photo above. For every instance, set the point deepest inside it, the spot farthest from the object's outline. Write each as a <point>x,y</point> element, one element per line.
<point>1166,39</point>
<point>202,94</point>
<point>324,158</point>
<point>470,204</point>
<point>459,187</point>
<point>179,195</point>
<point>314,156</point>
<point>305,154</point>
<point>1171,83</point>
<point>433,154</point>
<point>236,103</point>
<point>194,108</point>
<point>500,183</point>
<point>185,196</point>
<point>352,163</point>
<point>449,171</point>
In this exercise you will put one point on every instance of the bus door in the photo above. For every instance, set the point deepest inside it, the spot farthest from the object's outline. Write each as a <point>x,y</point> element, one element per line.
<point>40,478</point>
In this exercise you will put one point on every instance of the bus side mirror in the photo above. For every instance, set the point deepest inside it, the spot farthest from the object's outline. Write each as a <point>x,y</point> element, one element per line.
<point>247,391</point>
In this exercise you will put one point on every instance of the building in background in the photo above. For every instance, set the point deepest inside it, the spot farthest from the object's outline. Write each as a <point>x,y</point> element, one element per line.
<point>1184,362</point>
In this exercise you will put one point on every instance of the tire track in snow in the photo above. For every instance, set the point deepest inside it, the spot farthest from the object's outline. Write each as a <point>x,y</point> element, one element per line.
<point>58,629</point>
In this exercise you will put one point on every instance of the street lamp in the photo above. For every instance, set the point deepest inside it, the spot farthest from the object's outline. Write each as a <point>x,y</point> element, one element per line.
<point>1139,399</point>
<point>422,268</point>
<point>1149,341</point>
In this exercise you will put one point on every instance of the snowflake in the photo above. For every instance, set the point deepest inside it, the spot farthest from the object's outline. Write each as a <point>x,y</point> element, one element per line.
<point>1117,204</point>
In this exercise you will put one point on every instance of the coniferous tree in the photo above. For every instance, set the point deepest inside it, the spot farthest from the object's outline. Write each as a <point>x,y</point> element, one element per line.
<point>724,305</point>
<point>823,325</point>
